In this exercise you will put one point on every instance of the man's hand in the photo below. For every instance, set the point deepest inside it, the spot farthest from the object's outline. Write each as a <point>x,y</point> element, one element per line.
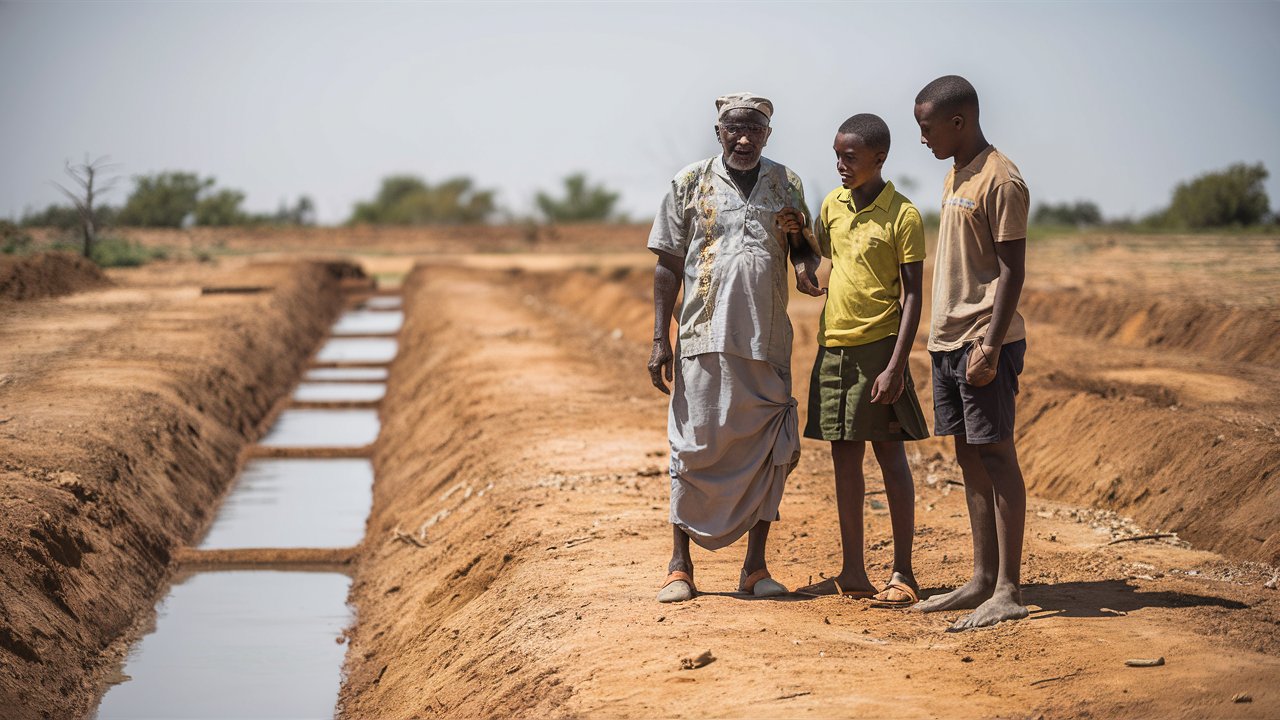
<point>791,220</point>
<point>661,362</point>
<point>981,367</point>
<point>888,387</point>
<point>807,280</point>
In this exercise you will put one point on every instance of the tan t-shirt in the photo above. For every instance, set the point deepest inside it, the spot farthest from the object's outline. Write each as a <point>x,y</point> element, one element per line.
<point>983,203</point>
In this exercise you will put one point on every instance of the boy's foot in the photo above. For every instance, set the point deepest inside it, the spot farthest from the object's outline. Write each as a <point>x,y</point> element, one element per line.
<point>900,592</point>
<point>836,586</point>
<point>966,597</point>
<point>1003,605</point>
<point>678,588</point>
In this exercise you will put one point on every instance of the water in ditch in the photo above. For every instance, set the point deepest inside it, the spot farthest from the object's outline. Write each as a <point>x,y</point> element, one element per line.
<point>238,644</point>
<point>339,392</point>
<point>346,374</point>
<point>358,350</point>
<point>382,302</point>
<point>293,503</point>
<point>369,322</point>
<point>323,429</point>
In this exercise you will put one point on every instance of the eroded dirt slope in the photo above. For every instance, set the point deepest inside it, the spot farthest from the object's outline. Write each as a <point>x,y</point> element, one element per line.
<point>122,415</point>
<point>519,534</point>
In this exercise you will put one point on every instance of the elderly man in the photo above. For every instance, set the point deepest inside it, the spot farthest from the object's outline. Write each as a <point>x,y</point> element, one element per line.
<point>724,228</point>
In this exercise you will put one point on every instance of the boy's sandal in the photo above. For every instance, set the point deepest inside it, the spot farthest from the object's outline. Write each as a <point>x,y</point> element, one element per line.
<point>882,599</point>
<point>677,588</point>
<point>831,586</point>
<point>761,584</point>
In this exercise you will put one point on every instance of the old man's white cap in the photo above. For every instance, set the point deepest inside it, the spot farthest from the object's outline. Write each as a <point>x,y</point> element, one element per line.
<point>748,100</point>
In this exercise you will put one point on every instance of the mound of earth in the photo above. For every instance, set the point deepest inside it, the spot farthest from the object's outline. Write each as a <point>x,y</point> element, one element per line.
<point>47,275</point>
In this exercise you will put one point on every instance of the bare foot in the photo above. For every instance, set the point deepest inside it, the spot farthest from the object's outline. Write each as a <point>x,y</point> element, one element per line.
<point>1005,604</point>
<point>966,597</point>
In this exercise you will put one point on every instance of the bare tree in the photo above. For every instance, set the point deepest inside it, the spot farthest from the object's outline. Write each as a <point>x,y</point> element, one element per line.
<point>85,175</point>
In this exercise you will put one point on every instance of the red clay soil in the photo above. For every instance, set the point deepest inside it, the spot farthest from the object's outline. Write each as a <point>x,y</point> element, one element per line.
<point>47,274</point>
<point>522,238</point>
<point>519,534</point>
<point>123,413</point>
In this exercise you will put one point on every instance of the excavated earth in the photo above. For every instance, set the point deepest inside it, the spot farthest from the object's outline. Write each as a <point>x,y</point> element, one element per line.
<point>518,531</point>
<point>123,415</point>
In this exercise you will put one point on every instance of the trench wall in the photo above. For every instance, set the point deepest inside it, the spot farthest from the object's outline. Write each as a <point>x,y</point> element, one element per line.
<point>99,485</point>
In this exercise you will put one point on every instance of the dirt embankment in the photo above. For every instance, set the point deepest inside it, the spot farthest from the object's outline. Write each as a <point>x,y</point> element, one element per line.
<point>523,238</point>
<point>519,533</point>
<point>122,415</point>
<point>47,275</point>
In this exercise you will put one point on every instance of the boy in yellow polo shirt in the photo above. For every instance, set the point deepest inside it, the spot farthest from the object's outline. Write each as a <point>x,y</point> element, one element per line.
<point>861,389</point>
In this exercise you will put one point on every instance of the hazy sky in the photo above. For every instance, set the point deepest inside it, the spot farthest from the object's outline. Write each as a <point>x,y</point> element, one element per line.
<point>1113,102</point>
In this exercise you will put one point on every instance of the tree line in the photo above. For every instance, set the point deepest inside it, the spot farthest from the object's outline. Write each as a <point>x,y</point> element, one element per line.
<point>1231,198</point>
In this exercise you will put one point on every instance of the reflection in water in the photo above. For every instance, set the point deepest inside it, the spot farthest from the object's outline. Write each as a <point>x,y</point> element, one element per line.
<point>323,428</point>
<point>339,392</point>
<point>277,503</point>
<point>239,644</point>
<point>358,350</point>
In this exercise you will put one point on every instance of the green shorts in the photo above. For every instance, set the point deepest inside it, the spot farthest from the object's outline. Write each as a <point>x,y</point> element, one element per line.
<point>840,406</point>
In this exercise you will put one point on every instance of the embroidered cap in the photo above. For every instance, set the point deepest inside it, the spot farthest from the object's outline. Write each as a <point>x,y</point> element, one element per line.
<point>748,100</point>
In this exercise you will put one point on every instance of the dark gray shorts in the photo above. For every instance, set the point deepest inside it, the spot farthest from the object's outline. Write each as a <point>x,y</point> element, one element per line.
<point>983,415</point>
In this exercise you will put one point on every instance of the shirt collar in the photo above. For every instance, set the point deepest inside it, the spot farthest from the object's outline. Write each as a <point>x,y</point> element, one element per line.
<point>882,200</point>
<point>717,166</point>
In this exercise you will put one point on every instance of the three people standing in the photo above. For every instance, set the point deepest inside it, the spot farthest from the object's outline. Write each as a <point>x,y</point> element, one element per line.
<point>729,227</point>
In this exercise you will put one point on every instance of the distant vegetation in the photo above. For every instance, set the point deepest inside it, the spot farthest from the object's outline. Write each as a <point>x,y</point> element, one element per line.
<point>581,202</point>
<point>1234,198</point>
<point>409,200</point>
<point>1082,213</point>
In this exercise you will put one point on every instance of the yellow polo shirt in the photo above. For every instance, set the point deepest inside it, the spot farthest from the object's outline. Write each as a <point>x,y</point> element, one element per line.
<point>866,246</point>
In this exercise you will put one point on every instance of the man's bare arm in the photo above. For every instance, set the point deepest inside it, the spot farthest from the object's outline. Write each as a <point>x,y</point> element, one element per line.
<point>666,286</point>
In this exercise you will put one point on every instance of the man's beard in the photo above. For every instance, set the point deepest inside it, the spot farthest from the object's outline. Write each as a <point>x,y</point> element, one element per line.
<point>741,163</point>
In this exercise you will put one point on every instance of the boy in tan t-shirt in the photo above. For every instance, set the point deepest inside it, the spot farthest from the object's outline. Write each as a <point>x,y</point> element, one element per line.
<point>977,340</point>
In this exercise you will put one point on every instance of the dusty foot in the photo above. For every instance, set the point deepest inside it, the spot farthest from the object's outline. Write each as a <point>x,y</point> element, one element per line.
<point>966,597</point>
<point>1005,604</point>
<point>678,590</point>
<point>894,595</point>
<point>847,584</point>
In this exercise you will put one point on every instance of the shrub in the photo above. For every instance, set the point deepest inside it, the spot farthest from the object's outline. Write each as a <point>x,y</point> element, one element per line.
<point>581,203</point>
<point>410,200</point>
<point>1232,197</point>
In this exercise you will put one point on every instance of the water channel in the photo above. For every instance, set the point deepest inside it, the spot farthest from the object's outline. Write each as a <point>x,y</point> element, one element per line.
<point>260,642</point>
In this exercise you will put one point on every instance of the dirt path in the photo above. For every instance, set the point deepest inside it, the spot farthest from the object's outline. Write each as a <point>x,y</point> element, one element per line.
<point>519,532</point>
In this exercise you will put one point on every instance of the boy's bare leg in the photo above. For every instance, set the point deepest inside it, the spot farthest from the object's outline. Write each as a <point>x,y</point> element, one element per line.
<point>680,558</point>
<point>980,496</point>
<point>846,456</point>
<point>900,491</point>
<point>757,538</point>
<point>1001,463</point>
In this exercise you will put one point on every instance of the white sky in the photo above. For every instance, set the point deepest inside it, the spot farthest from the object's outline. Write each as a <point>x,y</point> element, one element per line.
<point>1112,102</point>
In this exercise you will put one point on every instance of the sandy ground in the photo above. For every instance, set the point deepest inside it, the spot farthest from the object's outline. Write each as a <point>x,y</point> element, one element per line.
<point>519,526</point>
<point>525,451</point>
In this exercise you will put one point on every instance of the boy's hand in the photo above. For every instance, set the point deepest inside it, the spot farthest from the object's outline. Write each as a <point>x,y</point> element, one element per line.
<point>661,362</point>
<point>983,361</point>
<point>888,387</point>
<point>807,280</point>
